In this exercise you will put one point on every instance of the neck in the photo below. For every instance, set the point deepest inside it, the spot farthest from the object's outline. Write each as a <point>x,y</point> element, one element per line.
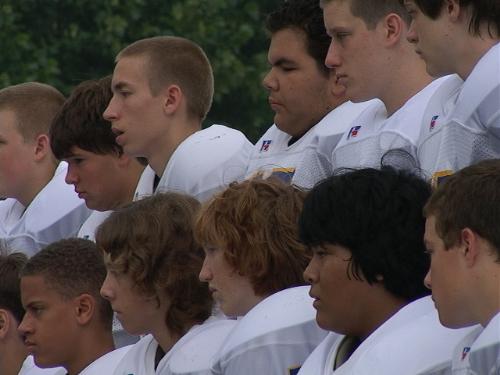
<point>91,349</point>
<point>11,359</point>
<point>166,338</point>
<point>41,176</point>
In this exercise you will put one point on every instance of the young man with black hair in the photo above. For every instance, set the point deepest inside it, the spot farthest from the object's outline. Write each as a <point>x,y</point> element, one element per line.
<point>462,37</point>
<point>304,94</point>
<point>366,228</point>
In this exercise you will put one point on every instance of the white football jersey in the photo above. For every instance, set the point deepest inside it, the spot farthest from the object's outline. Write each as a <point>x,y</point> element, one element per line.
<point>55,213</point>
<point>273,155</point>
<point>479,352</point>
<point>275,337</point>
<point>140,358</point>
<point>409,342</point>
<point>29,368</point>
<point>145,186</point>
<point>471,130</point>
<point>195,356</point>
<point>107,363</point>
<point>88,229</point>
<point>207,162</point>
<point>322,359</point>
<point>320,157</point>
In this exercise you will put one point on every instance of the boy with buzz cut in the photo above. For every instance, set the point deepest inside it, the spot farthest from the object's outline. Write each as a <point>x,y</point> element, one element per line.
<point>39,208</point>
<point>303,92</point>
<point>462,37</point>
<point>14,359</point>
<point>462,238</point>
<point>162,91</point>
<point>98,169</point>
<point>67,323</point>
<point>152,263</point>
<point>372,58</point>
<point>365,228</point>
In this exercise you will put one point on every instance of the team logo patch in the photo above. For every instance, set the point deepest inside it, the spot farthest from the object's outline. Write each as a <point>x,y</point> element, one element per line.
<point>353,132</point>
<point>265,145</point>
<point>439,177</point>
<point>465,352</point>
<point>294,370</point>
<point>432,125</point>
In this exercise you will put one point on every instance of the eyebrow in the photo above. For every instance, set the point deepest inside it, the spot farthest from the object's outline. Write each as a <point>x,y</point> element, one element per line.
<point>119,85</point>
<point>282,61</point>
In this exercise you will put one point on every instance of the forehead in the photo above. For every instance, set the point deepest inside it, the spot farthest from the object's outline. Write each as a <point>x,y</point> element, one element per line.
<point>35,288</point>
<point>430,229</point>
<point>338,13</point>
<point>130,70</point>
<point>288,43</point>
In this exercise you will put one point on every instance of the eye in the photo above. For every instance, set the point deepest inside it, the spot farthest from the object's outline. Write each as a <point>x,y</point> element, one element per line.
<point>429,252</point>
<point>339,36</point>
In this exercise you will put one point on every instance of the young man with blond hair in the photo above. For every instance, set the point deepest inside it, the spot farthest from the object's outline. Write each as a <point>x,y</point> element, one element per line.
<point>162,91</point>
<point>462,238</point>
<point>462,37</point>
<point>40,208</point>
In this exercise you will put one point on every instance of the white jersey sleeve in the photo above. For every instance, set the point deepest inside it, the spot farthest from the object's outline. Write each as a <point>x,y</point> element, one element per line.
<point>145,186</point>
<point>320,158</point>
<point>275,337</point>
<point>55,213</point>
<point>274,155</point>
<point>207,162</point>
<point>471,131</point>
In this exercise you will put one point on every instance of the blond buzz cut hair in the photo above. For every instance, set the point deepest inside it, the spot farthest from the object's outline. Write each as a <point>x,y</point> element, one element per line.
<point>34,105</point>
<point>175,60</point>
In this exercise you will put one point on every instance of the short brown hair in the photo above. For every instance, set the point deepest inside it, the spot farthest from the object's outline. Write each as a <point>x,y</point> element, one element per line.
<point>468,199</point>
<point>34,105</point>
<point>72,267</point>
<point>372,11</point>
<point>10,275</point>
<point>255,223</point>
<point>174,60</point>
<point>152,241</point>
<point>80,122</point>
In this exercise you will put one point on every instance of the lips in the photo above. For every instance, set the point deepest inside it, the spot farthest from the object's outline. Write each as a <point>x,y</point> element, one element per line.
<point>30,345</point>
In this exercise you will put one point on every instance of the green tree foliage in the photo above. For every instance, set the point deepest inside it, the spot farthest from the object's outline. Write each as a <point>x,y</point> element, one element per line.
<point>63,42</point>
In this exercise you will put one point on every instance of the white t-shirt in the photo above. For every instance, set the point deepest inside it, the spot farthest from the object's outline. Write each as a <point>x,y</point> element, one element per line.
<point>471,130</point>
<point>275,337</point>
<point>207,162</point>
<point>195,356</point>
<point>90,225</point>
<point>272,154</point>
<point>319,161</point>
<point>55,213</point>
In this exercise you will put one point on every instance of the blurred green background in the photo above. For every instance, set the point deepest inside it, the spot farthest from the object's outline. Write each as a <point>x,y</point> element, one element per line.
<point>63,42</point>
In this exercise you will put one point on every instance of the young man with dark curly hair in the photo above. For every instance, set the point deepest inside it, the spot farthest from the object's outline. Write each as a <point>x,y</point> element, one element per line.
<point>153,262</point>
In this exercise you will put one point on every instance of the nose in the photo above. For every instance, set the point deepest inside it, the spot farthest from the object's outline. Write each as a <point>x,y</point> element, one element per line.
<point>25,326</point>
<point>71,175</point>
<point>427,280</point>
<point>269,81</point>
<point>205,272</point>
<point>110,113</point>
<point>106,289</point>
<point>310,273</point>
<point>332,59</point>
